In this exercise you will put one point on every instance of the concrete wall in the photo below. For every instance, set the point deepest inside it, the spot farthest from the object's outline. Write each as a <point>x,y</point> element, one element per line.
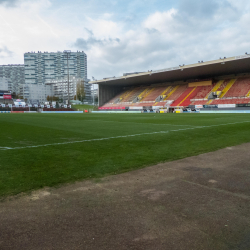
<point>108,92</point>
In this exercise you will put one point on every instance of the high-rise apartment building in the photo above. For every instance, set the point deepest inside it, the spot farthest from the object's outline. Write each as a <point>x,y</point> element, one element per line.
<point>42,67</point>
<point>12,76</point>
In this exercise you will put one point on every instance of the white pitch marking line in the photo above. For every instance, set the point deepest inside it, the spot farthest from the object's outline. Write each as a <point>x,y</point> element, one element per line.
<point>121,136</point>
<point>145,123</point>
<point>97,139</point>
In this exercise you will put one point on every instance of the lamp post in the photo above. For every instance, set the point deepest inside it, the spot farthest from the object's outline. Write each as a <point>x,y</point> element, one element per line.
<point>67,54</point>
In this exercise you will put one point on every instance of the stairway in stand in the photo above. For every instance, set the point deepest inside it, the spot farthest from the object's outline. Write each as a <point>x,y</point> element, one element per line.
<point>185,97</point>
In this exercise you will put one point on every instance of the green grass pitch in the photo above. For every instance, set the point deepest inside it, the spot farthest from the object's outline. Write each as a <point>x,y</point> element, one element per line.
<point>82,146</point>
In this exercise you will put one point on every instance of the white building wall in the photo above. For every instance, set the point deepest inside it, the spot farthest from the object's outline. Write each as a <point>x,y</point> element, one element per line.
<point>4,84</point>
<point>36,93</point>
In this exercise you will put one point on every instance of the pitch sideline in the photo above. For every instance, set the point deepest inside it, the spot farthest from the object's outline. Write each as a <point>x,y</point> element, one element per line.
<point>120,136</point>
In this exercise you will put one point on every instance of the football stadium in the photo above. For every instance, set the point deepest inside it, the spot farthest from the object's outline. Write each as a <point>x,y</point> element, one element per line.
<point>163,164</point>
<point>217,85</point>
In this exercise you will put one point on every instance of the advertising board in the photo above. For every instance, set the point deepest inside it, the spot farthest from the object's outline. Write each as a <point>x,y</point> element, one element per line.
<point>226,105</point>
<point>111,108</point>
<point>198,106</point>
<point>7,97</point>
<point>134,107</point>
<point>19,103</point>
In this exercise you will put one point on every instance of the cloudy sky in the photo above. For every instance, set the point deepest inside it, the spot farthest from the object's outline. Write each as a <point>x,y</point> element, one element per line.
<point>126,36</point>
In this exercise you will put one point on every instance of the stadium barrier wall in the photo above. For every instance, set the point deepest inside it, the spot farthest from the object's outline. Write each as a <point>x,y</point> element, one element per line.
<point>68,112</point>
<point>5,111</point>
<point>115,112</point>
<point>224,111</point>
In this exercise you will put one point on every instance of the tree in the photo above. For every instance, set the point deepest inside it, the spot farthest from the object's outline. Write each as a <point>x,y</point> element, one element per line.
<point>52,98</point>
<point>96,99</point>
<point>80,91</point>
<point>14,95</point>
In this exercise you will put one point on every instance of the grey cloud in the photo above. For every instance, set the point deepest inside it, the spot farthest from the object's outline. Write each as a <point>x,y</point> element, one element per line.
<point>199,17</point>
<point>134,55</point>
<point>92,41</point>
<point>200,30</point>
<point>197,8</point>
<point>151,31</point>
<point>9,3</point>
<point>90,32</point>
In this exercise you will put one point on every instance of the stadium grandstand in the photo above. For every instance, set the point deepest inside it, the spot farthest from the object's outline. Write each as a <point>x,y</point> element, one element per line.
<point>224,82</point>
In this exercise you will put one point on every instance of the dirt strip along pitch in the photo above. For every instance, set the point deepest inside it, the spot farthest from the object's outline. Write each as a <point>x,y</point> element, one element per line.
<point>201,202</point>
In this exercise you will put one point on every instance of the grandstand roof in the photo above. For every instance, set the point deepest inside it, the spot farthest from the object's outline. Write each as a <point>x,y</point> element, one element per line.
<point>224,66</point>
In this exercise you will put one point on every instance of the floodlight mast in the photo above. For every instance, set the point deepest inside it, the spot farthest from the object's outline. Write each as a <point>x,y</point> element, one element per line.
<point>67,52</point>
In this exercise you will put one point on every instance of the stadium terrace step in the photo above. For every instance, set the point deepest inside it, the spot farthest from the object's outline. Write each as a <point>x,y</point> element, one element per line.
<point>227,87</point>
<point>161,95</point>
<point>153,94</point>
<point>231,101</point>
<point>215,88</point>
<point>172,90</point>
<point>201,102</point>
<point>248,94</point>
<point>160,104</point>
<point>126,96</point>
<point>203,92</point>
<point>143,93</point>
<point>165,90</point>
<point>190,96</point>
<point>146,94</point>
<point>223,85</point>
<point>176,92</point>
<point>131,95</point>
<point>188,91</point>
<point>240,88</point>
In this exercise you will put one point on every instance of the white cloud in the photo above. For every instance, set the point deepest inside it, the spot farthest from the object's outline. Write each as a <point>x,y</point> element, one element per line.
<point>162,21</point>
<point>167,37</point>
